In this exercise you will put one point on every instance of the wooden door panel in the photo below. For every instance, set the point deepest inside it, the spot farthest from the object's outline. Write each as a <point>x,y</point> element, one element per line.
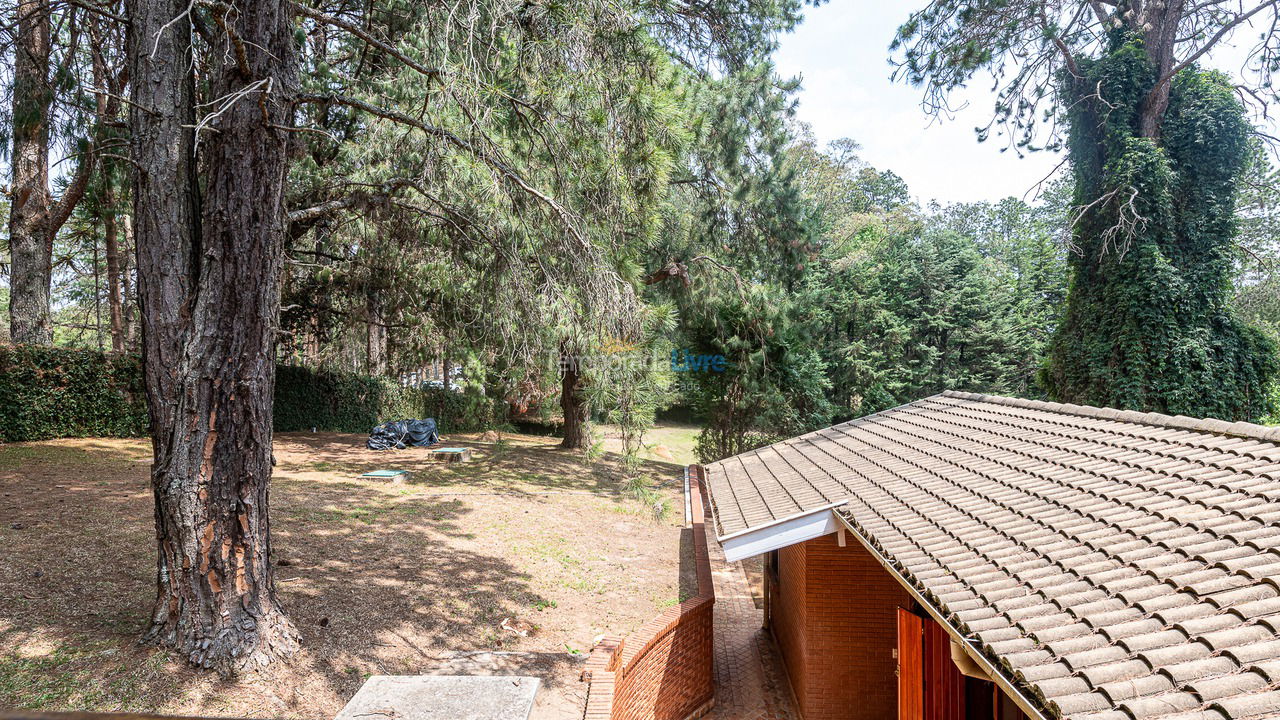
<point>910,666</point>
<point>943,682</point>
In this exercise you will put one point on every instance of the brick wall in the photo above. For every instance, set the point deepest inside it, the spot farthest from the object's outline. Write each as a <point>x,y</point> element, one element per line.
<point>662,671</point>
<point>788,615</point>
<point>834,616</point>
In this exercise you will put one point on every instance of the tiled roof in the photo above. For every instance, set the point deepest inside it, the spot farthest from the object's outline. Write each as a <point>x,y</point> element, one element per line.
<point>1114,565</point>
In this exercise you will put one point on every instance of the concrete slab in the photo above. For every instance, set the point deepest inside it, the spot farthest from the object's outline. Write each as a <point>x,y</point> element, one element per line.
<point>451,454</point>
<point>442,697</point>
<point>394,476</point>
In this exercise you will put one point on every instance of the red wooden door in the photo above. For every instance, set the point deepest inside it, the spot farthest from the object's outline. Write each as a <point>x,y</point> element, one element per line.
<point>943,683</point>
<point>910,666</point>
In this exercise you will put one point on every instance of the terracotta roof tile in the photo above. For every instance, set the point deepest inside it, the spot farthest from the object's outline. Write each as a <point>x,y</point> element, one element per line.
<point>1226,686</point>
<point>1136,687</point>
<point>1128,669</point>
<point>1256,705</point>
<point>1159,706</point>
<point>1114,564</point>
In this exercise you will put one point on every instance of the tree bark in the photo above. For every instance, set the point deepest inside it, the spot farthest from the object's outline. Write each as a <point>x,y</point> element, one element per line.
<point>573,403</point>
<point>208,282</point>
<point>376,335</point>
<point>30,239</point>
<point>129,302</point>
<point>115,290</point>
<point>34,217</point>
<point>1160,23</point>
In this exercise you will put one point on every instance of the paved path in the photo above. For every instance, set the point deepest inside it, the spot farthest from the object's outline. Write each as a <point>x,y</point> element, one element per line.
<point>750,681</point>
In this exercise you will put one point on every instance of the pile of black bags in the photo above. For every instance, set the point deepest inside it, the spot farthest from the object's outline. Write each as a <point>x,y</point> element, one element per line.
<point>400,434</point>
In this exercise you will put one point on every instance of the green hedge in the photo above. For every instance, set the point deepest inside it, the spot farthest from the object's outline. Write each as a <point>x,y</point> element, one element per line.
<point>48,393</point>
<point>347,402</point>
<point>55,392</point>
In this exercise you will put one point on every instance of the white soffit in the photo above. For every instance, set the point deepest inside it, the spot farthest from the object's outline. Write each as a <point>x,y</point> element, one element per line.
<point>778,534</point>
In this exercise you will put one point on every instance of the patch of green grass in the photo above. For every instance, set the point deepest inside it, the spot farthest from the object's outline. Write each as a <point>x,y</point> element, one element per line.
<point>72,677</point>
<point>665,602</point>
<point>554,550</point>
<point>13,456</point>
<point>326,466</point>
<point>680,440</point>
<point>585,584</point>
<point>43,682</point>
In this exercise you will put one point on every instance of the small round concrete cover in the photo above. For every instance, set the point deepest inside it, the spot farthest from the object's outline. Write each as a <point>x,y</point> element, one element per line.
<point>436,697</point>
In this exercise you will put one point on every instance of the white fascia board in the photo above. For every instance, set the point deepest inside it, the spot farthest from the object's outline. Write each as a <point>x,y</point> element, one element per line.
<point>776,535</point>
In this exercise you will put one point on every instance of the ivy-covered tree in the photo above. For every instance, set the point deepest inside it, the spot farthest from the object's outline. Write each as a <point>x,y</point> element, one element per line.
<point>1149,324</point>
<point>1157,147</point>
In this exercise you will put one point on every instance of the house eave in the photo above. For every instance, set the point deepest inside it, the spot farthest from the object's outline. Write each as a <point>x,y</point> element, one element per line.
<point>1025,704</point>
<point>781,533</point>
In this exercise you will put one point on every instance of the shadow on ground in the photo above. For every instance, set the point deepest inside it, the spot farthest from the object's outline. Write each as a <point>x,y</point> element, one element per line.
<point>378,579</point>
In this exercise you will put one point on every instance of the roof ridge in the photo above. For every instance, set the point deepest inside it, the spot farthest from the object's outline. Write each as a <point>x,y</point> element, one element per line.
<point>1241,429</point>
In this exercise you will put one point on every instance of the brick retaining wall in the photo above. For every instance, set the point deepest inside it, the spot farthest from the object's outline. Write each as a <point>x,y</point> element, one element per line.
<point>662,671</point>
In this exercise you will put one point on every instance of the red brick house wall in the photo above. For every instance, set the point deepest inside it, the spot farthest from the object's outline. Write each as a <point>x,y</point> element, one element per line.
<point>833,612</point>
<point>663,670</point>
<point>787,615</point>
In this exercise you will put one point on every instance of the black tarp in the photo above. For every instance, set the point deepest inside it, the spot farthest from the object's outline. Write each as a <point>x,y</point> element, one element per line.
<point>400,434</point>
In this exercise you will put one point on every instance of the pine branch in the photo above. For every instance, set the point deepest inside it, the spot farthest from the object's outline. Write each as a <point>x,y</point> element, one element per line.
<point>314,14</point>
<point>494,163</point>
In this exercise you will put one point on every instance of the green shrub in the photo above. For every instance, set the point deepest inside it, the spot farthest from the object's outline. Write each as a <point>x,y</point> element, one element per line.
<point>347,402</point>
<point>48,393</point>
<point>58,392</point>
<point>333,401</point>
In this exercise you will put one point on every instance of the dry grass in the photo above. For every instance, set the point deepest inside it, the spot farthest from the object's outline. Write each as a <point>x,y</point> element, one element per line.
<point>380,578</point>
<point>666,443</point>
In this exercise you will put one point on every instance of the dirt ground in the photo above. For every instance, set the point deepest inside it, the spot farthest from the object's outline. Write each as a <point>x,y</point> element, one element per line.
<point>380,578</point>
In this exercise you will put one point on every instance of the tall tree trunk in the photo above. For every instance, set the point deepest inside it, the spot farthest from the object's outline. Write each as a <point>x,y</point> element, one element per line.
<point>115,290</point>
<point>376,334</point>
<point>97,296</point>
<point>30,238</point>
<point>34,216</point>
<point>573,403</point>
<point>209,272</point>
<point>128,301</point>
<point>108,108</point>
<point>1160,24</point>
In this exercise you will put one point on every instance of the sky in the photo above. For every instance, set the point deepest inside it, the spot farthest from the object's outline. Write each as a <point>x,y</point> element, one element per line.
<point>840,52</point>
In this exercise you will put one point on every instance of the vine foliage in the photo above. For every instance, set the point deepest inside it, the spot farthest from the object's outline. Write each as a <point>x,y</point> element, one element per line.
<point>1148,324</point>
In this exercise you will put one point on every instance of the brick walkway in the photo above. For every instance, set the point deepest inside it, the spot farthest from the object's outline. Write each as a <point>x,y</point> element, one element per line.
<point>750,681</point>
